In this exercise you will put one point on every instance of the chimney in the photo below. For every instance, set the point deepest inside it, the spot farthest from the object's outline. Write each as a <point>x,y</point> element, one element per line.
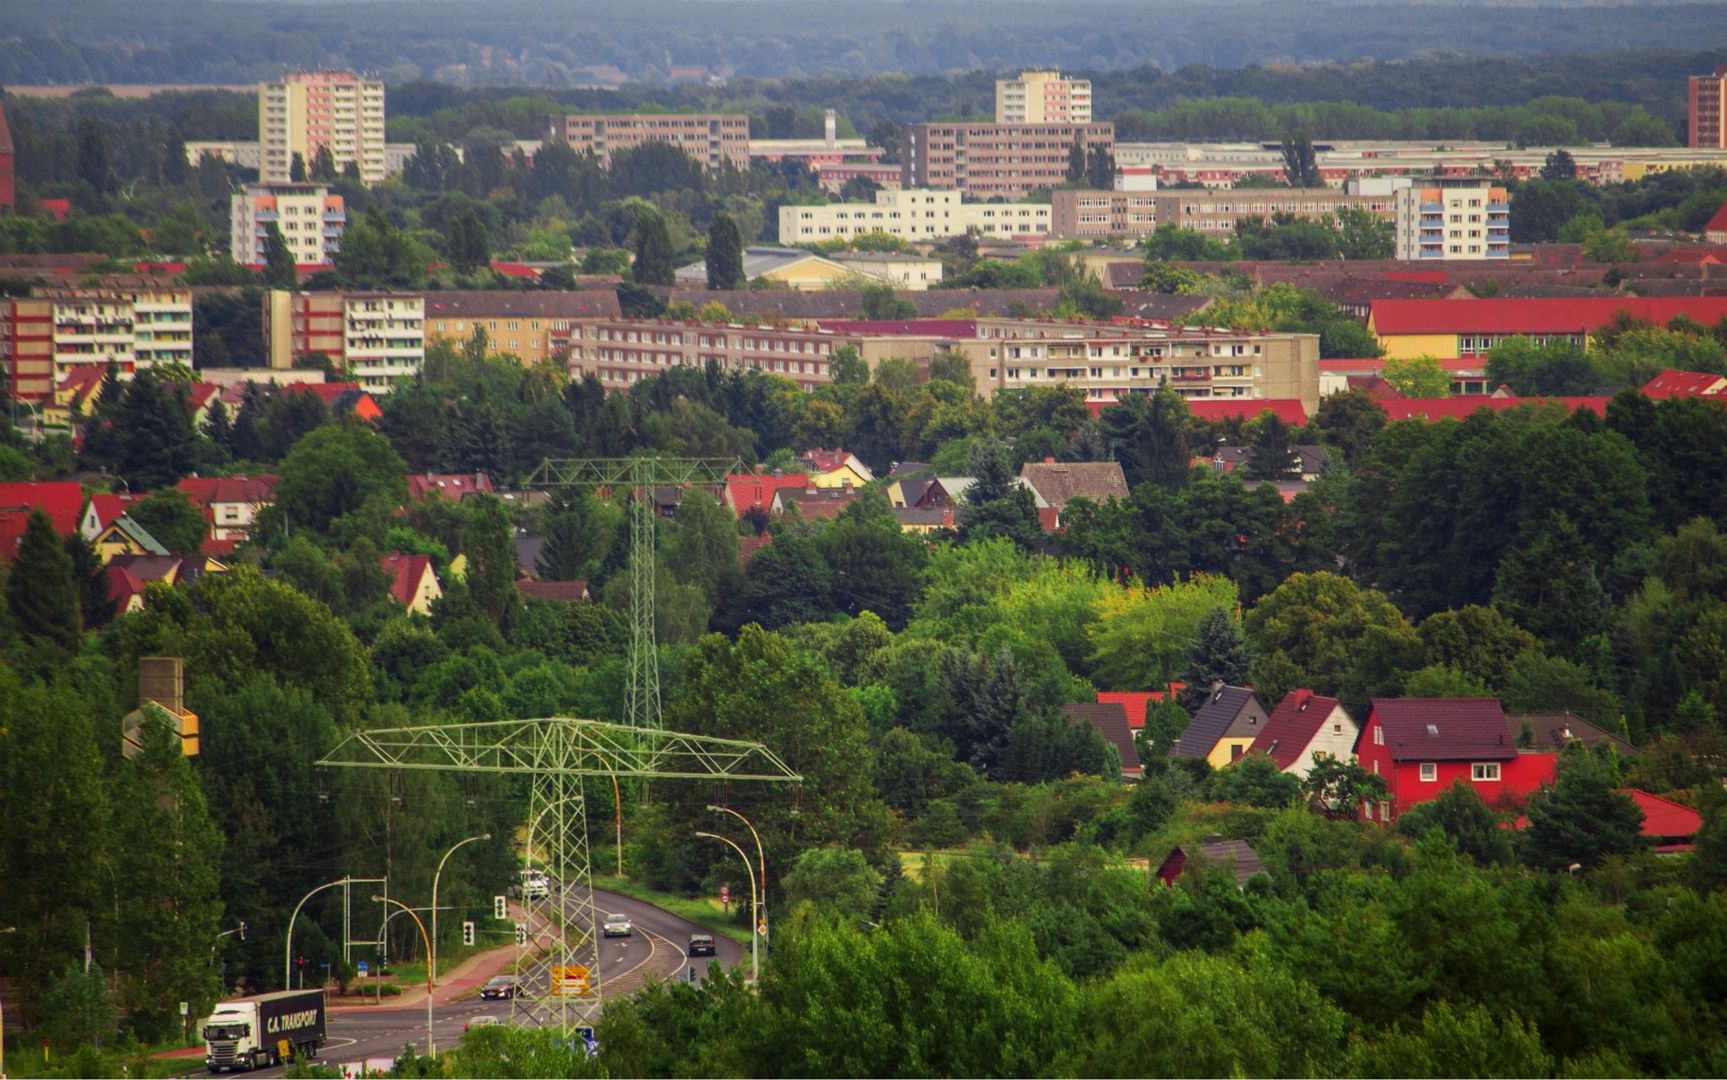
<point>830,127</point>
<point>1047,460</point>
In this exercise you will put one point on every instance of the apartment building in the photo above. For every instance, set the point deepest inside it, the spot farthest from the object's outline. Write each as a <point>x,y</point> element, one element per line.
<point>1042,97</point>
<point>620,352</point>
<point>988,161</point>
<point>1447,218</point>
<point>46,337</point>
<point>8,187</point>
<point>303,113</point>
<point>913,214</point>
<point>1138,213</point>
<point>309,218</point>
<point>531,326</point>
<point>708,138</point>
<point>1706,96</point>
<point>375,338</point>
<point>1076,213</point>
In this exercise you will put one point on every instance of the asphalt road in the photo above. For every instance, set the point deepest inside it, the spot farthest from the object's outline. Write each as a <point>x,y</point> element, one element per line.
<point>655,949</point>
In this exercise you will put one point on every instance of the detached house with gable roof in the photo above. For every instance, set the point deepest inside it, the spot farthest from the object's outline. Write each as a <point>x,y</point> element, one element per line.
<point>1222,729</point>
<point>1421,746</point>
<point>1303,728</point>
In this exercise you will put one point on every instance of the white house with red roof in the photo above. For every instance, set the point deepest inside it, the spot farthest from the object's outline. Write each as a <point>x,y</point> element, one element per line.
<point>230,503</point>
<point>413,582</point>
<point>1303,728</point>
<point>1715,229</point>
<point>1673,383</point>
<point>102,511</point>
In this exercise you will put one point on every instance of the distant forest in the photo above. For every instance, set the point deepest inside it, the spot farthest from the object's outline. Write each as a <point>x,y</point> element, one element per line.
<point>586,42</point>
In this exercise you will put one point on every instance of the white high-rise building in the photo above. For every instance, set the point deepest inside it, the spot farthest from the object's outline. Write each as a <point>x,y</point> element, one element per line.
<point>310,110</point>
<point>1042,97</point>
<point>1445,218</point>
<point>309,218</point>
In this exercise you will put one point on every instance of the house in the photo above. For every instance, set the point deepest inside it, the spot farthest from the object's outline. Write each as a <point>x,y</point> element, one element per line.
<point>230,503</point>
<point>1421,746</point>
<point>1235,855</point>
<point>1671,826</point>
<point>814,504</point>
<point>412,581</point>
<point>1303,728</point>
<point>62,501</point>
<point>452,486</point>
<point>124,536</point>
<point>1715,229</point>
<point>1555,731</point>
<point>341,397</point>
<point>756,491</point>
<point>1309,460</point>
<point>835,468</point>
<point>923,521</point>
<point>125,589</point>
<point>1215,409</point>
<point>563,592</point>
<point>1468,328</point>
<point>749,545</point>
<point>790,268</point>
<point>1671,384</point>
<point>1110,723</point>
<point>102,511</point>
<point>1055,483</point>
<point>175,569</point>
<point>1460,408</point>
<point>1223,728</point>
<point>1137,702</point>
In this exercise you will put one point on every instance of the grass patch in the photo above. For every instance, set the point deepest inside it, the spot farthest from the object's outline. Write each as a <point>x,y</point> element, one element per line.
<point>704,911</point>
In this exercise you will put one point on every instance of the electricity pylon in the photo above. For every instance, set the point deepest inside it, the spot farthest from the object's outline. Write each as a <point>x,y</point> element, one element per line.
<point>561,989</point>
<point>641,475</point>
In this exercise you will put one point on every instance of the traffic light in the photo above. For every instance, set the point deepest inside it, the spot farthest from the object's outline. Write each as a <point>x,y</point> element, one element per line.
<point>521,935</point>
<point>467,932</point>
<point>300,962</point>
<point>500,907</point>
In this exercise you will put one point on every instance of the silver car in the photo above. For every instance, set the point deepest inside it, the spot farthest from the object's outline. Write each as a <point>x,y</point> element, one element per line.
<point>618,926</point>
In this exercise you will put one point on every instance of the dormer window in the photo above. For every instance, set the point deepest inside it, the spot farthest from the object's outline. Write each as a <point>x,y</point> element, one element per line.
<point>1433,731</point>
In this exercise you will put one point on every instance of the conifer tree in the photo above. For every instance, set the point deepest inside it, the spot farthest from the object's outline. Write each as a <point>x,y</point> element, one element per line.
<point>95,605</point>
<point>725,257</point>
<point>279,270</point>
<point>996,504</point>
<point>1273,459</point>
<point>42,592</point>
<point>654,253</point>
<point>1218,654</point>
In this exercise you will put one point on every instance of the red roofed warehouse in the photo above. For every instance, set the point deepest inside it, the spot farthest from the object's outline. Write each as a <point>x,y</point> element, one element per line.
<point>1424,745</point>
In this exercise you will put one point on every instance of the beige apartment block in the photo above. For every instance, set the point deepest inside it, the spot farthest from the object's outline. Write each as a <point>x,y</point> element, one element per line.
<point>1042,97</point>
<point>44,338</point>
<point>1453,218</point>
<point>531,326</point>
<point>310,110</point>
<point>375,338</point>
<point>310,219</point>
<point>708,138</point>
<point>913,214</point>
<point>988,161</point>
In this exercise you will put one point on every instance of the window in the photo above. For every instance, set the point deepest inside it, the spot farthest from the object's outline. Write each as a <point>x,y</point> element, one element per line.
<point>1337,729</point>
<point>1484,772</point>
<point>1429,772</point>
<point>1378,736</point>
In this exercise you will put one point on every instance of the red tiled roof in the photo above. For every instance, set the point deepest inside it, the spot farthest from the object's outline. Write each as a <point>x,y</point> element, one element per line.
<point>1718,222</point>
<point>122,586</point>
<point>406,572</point>
<point>1058,482</point>
<point>1111,724</point>
<point>1566,315</point>
<point>562,591</point>
<point>826,461</point>
<point>1292,725</point>
<point>207,491</point>
<point>1476,366</point>
<point>109,507</point>
<point>1665,819</point>
<point>453,485</point>
<point>953,328</point>
<point>1460,406</point>
<point>749,545</point>
<point>1673,383</point>
<point>1444,729</point>
<point>515,270</point>
<point>1289,410</point>
<point>1134,701</point>
<point>746,490</point>
<point>62,499</point>
<point>1419,277</point>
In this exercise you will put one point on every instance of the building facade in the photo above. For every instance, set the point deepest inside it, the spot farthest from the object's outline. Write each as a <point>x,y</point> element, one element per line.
<point>44,338</point>
<point>1706,98</point>
<point>1453,218</point>
<point>995,160</point>
<point>375,338</point>
<point>312,110</point>
<point>309,218</point>
<point>1042,97</point>
<point>8,187</point>
<point>913,214</point>
<point>708,138</point>
<point>620,352</point>
<point>1082,214</point>
<point>532,326</point>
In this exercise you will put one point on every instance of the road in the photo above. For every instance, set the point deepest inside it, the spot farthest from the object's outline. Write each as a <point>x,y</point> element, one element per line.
<point>655,949</point>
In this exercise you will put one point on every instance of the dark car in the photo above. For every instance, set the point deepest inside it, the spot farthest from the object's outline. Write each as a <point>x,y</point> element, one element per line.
<point>503,986</point>
<point>701,945</point>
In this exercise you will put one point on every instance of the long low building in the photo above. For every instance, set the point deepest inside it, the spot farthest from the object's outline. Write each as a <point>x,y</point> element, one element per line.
<point>710,139</point>
<point>1088,214</point>
<point>914,214</point>
<point>1459,329</point>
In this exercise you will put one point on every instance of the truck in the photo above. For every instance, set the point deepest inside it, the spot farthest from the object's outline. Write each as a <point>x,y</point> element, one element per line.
<point>264,1029</point>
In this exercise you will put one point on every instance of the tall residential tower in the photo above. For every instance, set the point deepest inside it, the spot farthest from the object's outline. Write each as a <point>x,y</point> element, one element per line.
<point>310,110</point>
<point>1042,97</point>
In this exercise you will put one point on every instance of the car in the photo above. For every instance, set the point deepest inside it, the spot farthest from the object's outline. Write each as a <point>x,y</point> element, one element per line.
<point>502,986</point>
<point>480,1021</point>
<point>701,945</point>
<point>618,926</point>
<point>534,885</point>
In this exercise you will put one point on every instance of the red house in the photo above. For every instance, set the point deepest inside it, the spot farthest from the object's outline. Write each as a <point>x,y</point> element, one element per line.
<point>1421,746</point>
<point>749,491</point>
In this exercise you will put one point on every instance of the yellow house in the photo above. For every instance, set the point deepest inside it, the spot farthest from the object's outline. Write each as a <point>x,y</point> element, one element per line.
<point>790,268</point>
<point>1223,728</point>
<point>124,536</point>
<point>835,469</point>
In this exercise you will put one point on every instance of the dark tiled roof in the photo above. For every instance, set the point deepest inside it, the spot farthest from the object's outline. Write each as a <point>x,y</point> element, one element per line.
<point>749,545</point>
<point>1110,722</point>
<point>1159,307</point>
<point>1292,725</point>
<point>1060,481</point>
<point>1212,721</point>
<point>1235,855</point>
<point>1553,730</point>
<point>531,304</point>
<point>562,591</point>
<point>1444,729</point>
<point>845,304</point>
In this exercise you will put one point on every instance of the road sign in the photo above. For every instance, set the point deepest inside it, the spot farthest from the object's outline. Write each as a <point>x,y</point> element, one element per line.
<point>762,928</point>
<point>362,967</point>
<point>185,1007</point>
<point>569,979</point>
<point>500,907</point>
<point>725,894</point>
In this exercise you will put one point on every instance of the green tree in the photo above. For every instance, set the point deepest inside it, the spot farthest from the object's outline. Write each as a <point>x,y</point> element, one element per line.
<point>1075,162</point>
<point>848,367</point>
<point>95,604</point>
<point>1254,780</point>
<point>703,547</point>
<point>42,592</point>
<point>1148,437</point>
<point>1361,234</point>
<point>1322,631</point>
<point>1581,820</point>
<point>1418,377</point>
<point>1340,787</point>
<point>881,304</point>
<point>467,242</point>
<point>155,444</point>
<point>577,532</point>
<point>1273,457</point>
<point>1048,746</point>
<point>1559,166</point>
<point>1548,585</point>
<point>1218,654</point>
<point>95,163</point>
<point>1300,166</point>
<point>78,1010</point>
<point>725,255</point>
<point>489,542</point>
<point>834,881</point>
<point>1474,639</point>
<point>785,582</point>
<point>654,254</point>
<point>334,471</point>
<point>876,566</point>
<point>169,516</point>
<point>996,504</point>
<point>1459,813</point>
<point>375,254</point>
<point>278,272</point>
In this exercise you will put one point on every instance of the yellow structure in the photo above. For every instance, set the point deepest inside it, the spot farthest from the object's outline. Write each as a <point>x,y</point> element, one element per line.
<point>312,110</point>
<point>1042,97</point>
<point>1227,750</point>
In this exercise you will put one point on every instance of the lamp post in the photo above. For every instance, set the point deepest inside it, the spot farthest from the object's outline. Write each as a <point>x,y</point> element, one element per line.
<point>749,872</point>
<point>288,943</point>
<point>376,899</point>
<point>7,930</point>
<point>432,957</point>
<point>761,861</point>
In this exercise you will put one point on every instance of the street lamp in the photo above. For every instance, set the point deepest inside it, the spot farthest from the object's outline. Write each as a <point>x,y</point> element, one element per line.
<point>376,899</point>
<point>288,944</point>
<point>749,872</point>
<point>432,959</point>
<point>7,930</point>
<point>761,860</point>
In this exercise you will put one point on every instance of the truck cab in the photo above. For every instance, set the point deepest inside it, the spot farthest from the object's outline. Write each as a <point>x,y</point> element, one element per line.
<point>264,1030</point>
